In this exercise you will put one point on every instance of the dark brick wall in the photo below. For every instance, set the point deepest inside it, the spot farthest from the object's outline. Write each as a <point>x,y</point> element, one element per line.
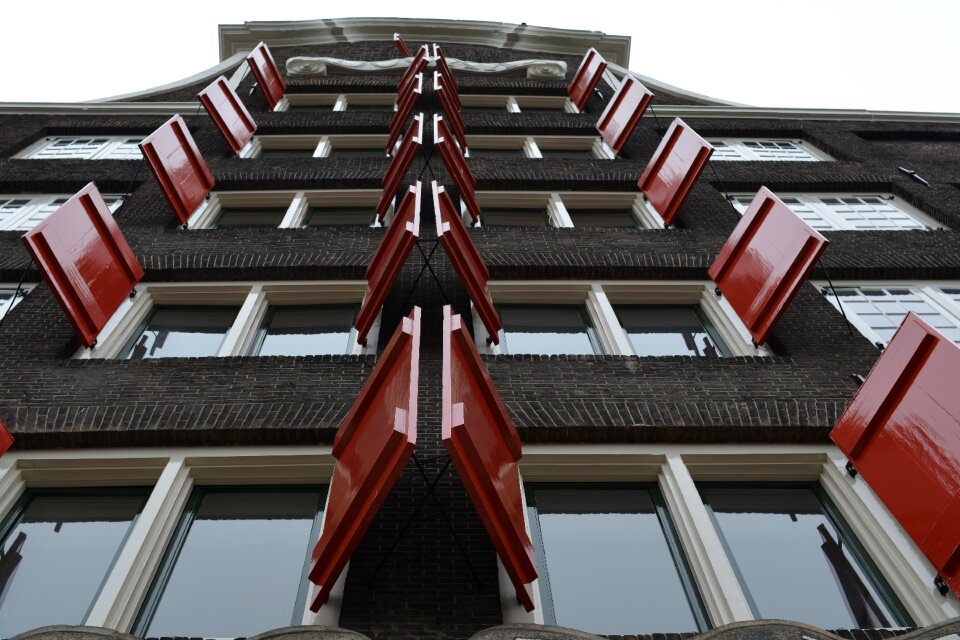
<point>424,588</point>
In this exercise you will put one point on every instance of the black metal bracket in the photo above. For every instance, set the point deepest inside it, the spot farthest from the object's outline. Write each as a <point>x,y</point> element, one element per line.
<point>717,291</point>
<point>835,295</point>
<point>859,378</point>
<point>913,174</point>
<point>941,585</point>
<point>851,470</point>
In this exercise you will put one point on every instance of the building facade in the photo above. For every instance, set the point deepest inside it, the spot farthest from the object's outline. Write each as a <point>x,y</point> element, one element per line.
<point>171,480</point>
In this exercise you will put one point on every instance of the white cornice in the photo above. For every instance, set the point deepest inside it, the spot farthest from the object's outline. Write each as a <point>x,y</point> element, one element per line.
<point>236,38</point>
<point>100,108</point>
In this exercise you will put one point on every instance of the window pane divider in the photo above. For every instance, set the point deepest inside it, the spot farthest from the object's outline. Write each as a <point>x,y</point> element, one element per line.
<point>240,336</point>
<point>612,336</point>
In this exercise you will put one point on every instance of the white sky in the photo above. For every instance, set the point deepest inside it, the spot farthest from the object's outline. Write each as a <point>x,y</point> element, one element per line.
<point>879,54</point>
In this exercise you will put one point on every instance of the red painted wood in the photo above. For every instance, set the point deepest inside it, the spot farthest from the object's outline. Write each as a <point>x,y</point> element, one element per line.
<point>6,440</point>
<point>405,105</point>
<point>456,165</point>
<point>623,113</point>
<point>444,69</point>
<point>400,164</point>
<point>586,78</point>
<point>466,259</point>
<point>267,73</point>
<point>176,163</point>
<point>228,113</point>
<point>674,167</point>
<point>85,259</point>
<point>765,261</point>
<point>372,445</point>
<point>398,241</point>
<point>485,448</point>
<point>450,109</point>
<point>902,433</point>
<point>417,65</point>
<point>402,46</point>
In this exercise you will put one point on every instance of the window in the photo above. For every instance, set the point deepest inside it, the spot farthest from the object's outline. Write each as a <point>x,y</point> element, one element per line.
<point>236,565</point>
<point>513,217</point>
<point>878,310</point>
<point>795,561</point>
<point>84,148</point>
<point>166,320</point>
<point>564,210</point>
<point>609,560</point>
<point>58,547</point>
<point>288,209</point>
<point>849,212</point>
<point>771,150</point>
<point>24,212</point>
<point>250,216</point>
<point>610,218</point>
<point>9,298</point>
<point>573,147</point>
<point>546,330</point>
<point>660,330</point>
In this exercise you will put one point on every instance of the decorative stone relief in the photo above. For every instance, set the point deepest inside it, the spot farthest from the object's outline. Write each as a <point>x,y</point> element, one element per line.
<point>309,66</point>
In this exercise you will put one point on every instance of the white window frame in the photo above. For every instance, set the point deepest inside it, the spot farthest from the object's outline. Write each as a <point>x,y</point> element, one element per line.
<point>559,203</point>
<point>297,204</point>
<point>531,145</point>
<point>746,153</point>
<point>172,473</point>
<point>599,298</point>
<point>7,305</point>
<point>931,291</point>
<point>322,145</point>
<point>21,220</point>
<point>676,469</point>
<point>107,151</point>
<point>253,298</point>
<point>509,103</point>
<point>741,201</point>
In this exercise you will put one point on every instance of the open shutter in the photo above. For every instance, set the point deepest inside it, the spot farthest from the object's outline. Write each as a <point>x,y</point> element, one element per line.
<point>586,78</point>
<point>398,241</point>
<point>405,105</point>
<point>372,445</point>
<point>675,166</point>
<point>85,259</point>
<point>485,448</point>
<point>402,46</point>
<point>450,109</point>
<point>177,165</point>
<point>417,65</point>
<point>457,166</point>
<point>765,261</point>
<point>228,113</point>
<point>901,431</point>
<point>6,440</point>
<point>623,113</point>
<point>267,73</point>
<point>400,165</point>
<point>444,69</point>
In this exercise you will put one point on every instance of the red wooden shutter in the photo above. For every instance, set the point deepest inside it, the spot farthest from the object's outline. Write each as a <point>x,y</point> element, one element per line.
<point>586,78</point>
<point>456,165</point>
<point>623,113</point>
<point>400,164</point>
<point>6,440</point>
<point>228,113</point>
<point>444,69</point>
<point>267,73</point>
<point>405,105</point>
<point>675,166</point>
<point>177,165</point>
<point>402,46</point>
<point>450,109</point>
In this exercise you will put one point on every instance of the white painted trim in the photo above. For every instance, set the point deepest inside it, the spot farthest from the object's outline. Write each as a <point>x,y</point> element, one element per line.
<point>739,146</point>
<point>605,322</point>
<point>105,152</point>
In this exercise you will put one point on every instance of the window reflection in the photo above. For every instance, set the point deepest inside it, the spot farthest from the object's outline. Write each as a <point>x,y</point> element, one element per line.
<point>611,218</point>
<point>182,331</point>
<point>306,330</point>
<point>340,216</point>
<point>251,217</point>
<point>547,330</point>
<point>513,217</point>
<point>655,330</point>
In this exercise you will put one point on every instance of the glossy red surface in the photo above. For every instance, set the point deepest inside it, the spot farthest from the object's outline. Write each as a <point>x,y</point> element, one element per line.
<point>372,445</point>
<point>451,111</point>
<point>417,65</point>
<point>398,241</point>
<point>405,104</point>
<point>444,69</point>
<point>175,160</point>
<point>228,113</point>
<point>586,78</point>
<point>400,164</point>
<point>267,73</point>
<point>765,261</point>
<point>402,46</point>
<point>623,113</point>
<point>902,433</point>
<point>485,448</point>
<point>674,167</point>
<point>85,259</point>
<point>6,440</point>
<point>456,165</point>
<point>465,258</point>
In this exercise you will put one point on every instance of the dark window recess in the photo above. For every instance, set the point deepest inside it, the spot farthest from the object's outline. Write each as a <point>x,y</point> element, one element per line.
<point>58,547</point>
<point>340,216</point>
<point>287,153</point>
<point>609,561</point>
<point>513,217</point>
<point>360,106</point>
<point>305,330</point>
<point>497,152</point>
<point>500,108</point>
<point>357,152</point>
<point>251,216</point>
<point>547,330</point>
<point>568,153</point>
<point>796,560</point>
<point>236,565</point>
<point>312,108</point>
<point>181,331</point>
<point>655,330</point>
<point>603,217</point>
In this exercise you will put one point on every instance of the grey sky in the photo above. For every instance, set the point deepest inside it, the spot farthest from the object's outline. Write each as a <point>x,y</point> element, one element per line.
<point>879,54</point>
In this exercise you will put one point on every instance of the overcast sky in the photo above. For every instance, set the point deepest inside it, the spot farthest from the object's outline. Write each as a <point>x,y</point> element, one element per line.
<point>878,54</point>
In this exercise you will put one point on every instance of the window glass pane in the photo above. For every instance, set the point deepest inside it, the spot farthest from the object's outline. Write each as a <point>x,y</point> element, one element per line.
<point>495,152</point>
<point>602,217</point>
<point>58,553</point>
<point>288,153</point>
<point>306,330</point>
<point>357,152</point>
<point>174,332</point>
<point>609,567</point>
<point>667,331</point>
<point>513,217</point>
<point>353,105</point>
<point>545,330</point>
<point>792,560</point>
<point>340,216</point>
<point>240,566</point>
<point>579,154</point>
<point>251,217</point>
